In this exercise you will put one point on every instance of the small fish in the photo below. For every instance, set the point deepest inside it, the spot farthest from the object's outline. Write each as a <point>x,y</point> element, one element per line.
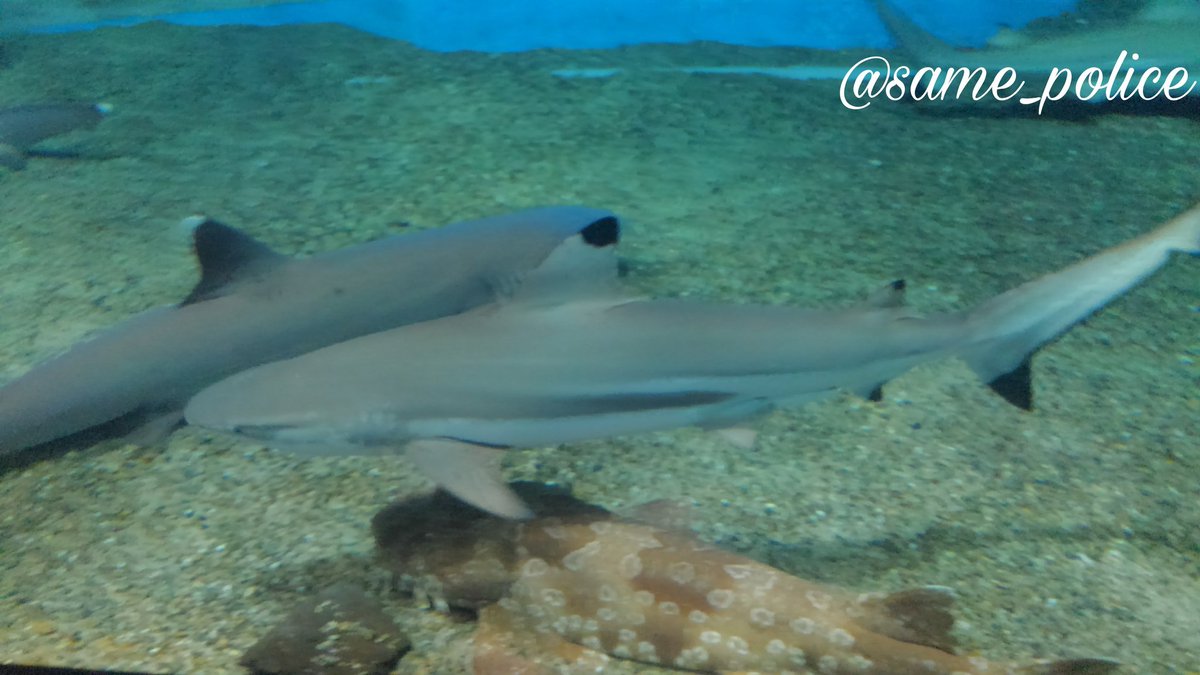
<point>253,305</point>
<point>25,126</point>
<point>579,585</point>
<point>570,358</point>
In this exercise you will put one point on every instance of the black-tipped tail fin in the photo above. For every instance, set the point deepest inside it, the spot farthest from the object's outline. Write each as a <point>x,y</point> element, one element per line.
<point>1004,332</point>
<point>914,41</point>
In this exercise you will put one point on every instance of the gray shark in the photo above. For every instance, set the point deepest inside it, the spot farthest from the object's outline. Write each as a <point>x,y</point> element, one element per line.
<point>25,126</point>
<point>570,358</point>
<point>253,305</point>
<point>1163,36</point>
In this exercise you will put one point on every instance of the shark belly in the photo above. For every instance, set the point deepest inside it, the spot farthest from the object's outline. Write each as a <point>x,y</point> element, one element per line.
<point>512,377</point>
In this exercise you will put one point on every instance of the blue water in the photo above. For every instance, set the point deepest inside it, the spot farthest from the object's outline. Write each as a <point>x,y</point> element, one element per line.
<point>448,25</point>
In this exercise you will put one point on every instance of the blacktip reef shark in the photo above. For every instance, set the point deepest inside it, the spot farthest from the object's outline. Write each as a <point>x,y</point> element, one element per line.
<point>570,358</point>
<point>23,127</point>
<point>1164,35</point>
<point>253,305</point>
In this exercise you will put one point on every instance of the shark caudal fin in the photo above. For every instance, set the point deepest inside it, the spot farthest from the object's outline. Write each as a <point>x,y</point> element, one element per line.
<point>1004,332</point>
<point>911,39</point>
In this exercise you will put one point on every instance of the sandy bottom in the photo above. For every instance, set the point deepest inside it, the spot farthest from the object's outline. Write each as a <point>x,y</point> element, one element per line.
<point>1070,531</point>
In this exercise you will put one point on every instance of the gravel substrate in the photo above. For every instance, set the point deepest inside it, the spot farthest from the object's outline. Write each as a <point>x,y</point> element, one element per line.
<point>1070,531</point>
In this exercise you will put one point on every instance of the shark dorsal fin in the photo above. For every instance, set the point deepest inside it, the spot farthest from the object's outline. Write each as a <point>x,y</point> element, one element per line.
<point>583,266</point>
<point>227,257</point>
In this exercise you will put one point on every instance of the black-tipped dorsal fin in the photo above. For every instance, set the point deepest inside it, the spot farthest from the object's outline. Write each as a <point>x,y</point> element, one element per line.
<point>1016,386</point>
<point>227,257</point>
<point>603,232</point>
<point>582,266</point>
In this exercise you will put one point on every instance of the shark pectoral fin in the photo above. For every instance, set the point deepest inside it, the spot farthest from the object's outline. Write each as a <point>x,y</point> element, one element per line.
<point>468,471</point>
<point>11,157</point>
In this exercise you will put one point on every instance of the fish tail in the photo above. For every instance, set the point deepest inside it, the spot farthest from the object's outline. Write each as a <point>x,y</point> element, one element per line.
<point>1004,332</point>
<point>911,38</point>
<point>1071,667</point>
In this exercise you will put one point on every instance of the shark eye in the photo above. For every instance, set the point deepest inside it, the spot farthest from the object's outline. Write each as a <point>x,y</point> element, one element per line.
<point>603,232</point>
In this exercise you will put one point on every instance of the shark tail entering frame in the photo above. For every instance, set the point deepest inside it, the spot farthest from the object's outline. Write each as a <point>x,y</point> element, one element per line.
<point>911,39</point>
<point>1004,332</point>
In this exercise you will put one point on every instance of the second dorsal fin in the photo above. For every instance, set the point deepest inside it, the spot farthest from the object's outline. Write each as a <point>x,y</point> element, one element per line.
<point>227,257</point>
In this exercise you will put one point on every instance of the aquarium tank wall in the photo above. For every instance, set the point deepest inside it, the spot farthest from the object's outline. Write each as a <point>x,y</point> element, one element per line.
<point>449,25</point>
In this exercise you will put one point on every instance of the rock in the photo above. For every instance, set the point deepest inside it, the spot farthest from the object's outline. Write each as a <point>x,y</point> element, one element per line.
<point>342,632</point>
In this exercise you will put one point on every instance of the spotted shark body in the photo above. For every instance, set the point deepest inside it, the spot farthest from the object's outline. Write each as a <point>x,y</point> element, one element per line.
<point>575,359</point>
<point>253,305</point>
<point>576,587</point>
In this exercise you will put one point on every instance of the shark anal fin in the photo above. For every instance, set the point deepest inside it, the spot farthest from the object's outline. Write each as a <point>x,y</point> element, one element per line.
<point>1016,386</point>
<point>227,256</point>
<point>468,471</point>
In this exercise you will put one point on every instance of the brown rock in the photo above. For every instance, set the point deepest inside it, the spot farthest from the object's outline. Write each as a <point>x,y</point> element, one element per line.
<point>342,632</point>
